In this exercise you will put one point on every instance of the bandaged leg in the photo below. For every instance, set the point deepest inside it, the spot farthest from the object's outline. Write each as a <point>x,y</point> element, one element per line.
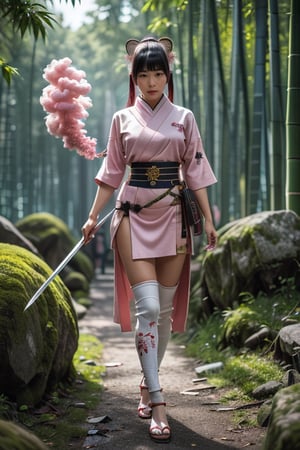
<point>166,295</point>
<point>147,312</point>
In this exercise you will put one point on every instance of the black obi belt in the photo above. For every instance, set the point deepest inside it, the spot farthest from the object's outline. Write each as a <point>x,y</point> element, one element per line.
<point>154,174</point>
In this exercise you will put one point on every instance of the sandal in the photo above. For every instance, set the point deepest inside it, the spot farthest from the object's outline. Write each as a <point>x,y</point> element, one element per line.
<point>158,433</point>
<point>144,410</point>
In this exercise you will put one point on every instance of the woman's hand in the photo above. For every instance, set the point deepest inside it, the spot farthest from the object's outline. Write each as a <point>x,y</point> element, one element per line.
<point>88,230</point>
<point>103,194</point>
<point>210,230</point>
<point>212,237</point>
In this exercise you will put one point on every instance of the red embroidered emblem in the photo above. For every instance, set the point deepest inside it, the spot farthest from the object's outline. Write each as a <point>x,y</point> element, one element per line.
<point>146,340</point>
<point>179,126</point>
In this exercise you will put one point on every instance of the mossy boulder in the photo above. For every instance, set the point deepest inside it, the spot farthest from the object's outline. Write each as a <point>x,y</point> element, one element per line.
<point>253,254</point>
<point>75,282</point>
<point>287,346</point>
<point>15,437</point>
<point>283,432</point>
<point>54,241</point>
<point>9,234</point>
<point>36,346</point>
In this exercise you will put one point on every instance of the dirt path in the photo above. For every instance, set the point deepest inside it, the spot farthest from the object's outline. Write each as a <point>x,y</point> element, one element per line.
<point>193,424</point>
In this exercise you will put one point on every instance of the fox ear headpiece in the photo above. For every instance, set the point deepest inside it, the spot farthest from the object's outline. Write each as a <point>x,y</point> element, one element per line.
<point>131,46</point>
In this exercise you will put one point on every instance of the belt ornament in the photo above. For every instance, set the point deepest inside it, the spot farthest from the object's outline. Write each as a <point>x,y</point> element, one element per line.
<point>154,174</point>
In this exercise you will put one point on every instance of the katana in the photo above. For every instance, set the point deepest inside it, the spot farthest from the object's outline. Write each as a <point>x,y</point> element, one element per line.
<point>65,261</point>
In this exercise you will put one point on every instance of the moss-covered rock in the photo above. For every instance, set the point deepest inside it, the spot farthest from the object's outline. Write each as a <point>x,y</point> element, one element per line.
<point>284,426</point>
<point>75,281</point>
<point>14,437</point>
<point>287,346</point>
<point>9,234</point>
<point>36,346</point>
<point>253,254</point>
<point>54,240</point>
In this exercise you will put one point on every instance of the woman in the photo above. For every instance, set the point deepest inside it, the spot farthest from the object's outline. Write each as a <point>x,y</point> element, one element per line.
<point>152,245</point>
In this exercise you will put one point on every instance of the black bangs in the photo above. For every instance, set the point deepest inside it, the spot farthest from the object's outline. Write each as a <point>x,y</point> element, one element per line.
<point>150,56</point>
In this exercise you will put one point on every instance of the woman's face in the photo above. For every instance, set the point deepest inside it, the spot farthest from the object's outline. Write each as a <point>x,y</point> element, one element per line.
<point>151,84</point>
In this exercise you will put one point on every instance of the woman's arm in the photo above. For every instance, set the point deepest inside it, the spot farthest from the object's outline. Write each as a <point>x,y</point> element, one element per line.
<point>103,194</point>
<point>210,231</point>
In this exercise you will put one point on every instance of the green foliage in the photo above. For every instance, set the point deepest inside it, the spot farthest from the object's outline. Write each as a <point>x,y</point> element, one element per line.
<point>7,408</point>
<point>164,5</point>
<point>22,17</point>
<point>265,310</point>
<point>247,371</point>
<point>27,16</point>
<point>204,343</point>
<point>244,369</point>
<point>23,408</point>
<point>273,311</point>
<point>238,325</point>
<point>7,71</point>
<point>163,20</point>
<point>242,372</point>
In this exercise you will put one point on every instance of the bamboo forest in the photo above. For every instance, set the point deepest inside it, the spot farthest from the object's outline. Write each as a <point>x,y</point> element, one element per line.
<point>236,67</point>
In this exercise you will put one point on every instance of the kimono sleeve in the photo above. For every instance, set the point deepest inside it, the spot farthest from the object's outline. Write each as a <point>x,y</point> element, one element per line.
<point>196,168</point>
<point>113,168</point>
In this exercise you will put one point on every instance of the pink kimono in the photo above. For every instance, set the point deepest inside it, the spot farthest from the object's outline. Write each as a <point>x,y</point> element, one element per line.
<point>140,134</point>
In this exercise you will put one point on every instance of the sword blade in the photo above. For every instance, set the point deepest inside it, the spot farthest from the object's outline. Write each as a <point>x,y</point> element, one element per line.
<point>65,262</point>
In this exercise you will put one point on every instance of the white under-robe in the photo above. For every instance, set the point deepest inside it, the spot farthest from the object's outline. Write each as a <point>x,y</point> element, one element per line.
<point>140,134</point>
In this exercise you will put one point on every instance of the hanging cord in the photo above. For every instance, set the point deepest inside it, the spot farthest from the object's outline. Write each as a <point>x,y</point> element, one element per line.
<point>127,206</point>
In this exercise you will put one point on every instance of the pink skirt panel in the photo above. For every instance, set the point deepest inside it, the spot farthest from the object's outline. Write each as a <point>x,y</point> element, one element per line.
<point>152,233</point>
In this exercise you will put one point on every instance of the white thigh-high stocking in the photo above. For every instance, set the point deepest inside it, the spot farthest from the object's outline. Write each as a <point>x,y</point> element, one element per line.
<point>166,295</point>
<point>146,337</point>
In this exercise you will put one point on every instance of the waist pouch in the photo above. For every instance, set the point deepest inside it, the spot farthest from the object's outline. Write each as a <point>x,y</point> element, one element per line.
<point>191,210</point>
